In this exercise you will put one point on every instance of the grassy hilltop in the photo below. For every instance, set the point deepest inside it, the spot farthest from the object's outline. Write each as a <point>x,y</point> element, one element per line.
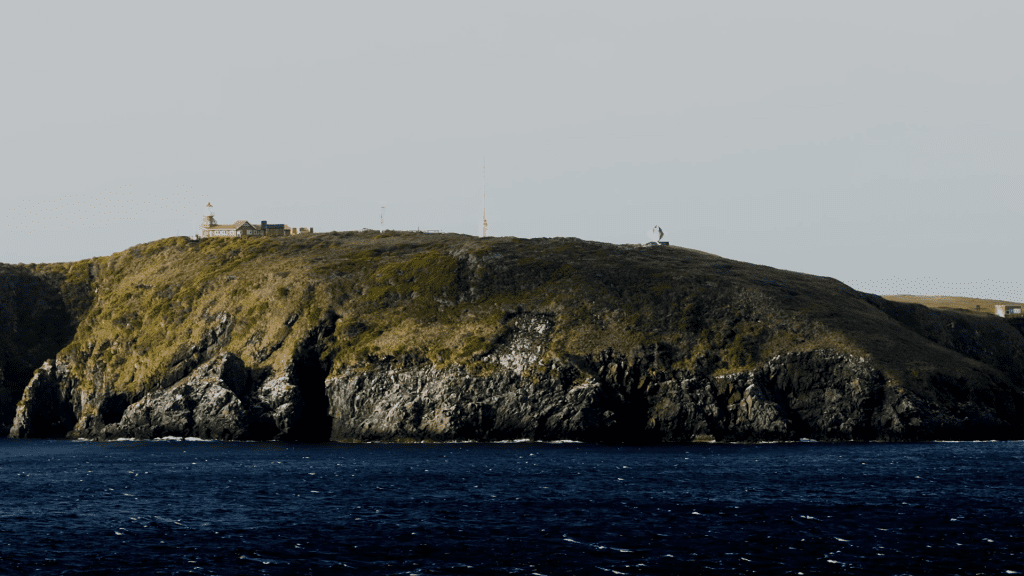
<point>441,298</point>
<point>404,298</point>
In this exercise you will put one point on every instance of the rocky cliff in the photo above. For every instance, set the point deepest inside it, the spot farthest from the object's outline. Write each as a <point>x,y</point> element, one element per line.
<point>404,336</point>
<point>39,312</point>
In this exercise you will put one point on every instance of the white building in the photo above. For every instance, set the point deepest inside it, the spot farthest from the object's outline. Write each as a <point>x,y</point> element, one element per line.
<point>243,229</point>
<point>1006,310</point>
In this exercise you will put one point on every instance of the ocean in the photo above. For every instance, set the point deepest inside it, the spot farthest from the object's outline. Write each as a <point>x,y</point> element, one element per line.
<point>197,507</point>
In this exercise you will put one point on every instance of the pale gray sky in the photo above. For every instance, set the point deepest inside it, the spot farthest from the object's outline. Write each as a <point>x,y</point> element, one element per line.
<point>874,142</point>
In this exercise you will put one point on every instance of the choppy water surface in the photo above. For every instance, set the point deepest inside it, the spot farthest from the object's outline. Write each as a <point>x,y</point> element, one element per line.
<point>521,508</point>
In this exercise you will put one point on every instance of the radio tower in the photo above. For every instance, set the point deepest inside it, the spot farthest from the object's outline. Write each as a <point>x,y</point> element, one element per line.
<point>483,189</point>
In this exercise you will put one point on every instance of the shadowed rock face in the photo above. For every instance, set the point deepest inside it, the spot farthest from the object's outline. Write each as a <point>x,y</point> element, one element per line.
<point>218,400</point>
<point>819,395</point>
<point>324,370</point>
<point>47,409</point>
<point>35,324</point>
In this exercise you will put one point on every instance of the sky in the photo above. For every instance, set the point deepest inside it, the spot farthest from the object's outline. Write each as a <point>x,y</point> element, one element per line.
<point>875,142</point>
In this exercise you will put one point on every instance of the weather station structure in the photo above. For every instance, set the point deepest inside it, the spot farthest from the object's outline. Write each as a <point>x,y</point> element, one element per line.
<point>484,232</point>
<point>656,234</point>
<point>483,190</point>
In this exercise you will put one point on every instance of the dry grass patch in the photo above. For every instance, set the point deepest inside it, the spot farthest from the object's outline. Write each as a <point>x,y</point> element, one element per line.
<point>976,305</point>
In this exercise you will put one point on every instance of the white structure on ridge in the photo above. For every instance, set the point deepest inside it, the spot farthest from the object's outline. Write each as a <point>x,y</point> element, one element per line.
<point>483,190</point>
<point>656,234</point>
<point>241,228</point>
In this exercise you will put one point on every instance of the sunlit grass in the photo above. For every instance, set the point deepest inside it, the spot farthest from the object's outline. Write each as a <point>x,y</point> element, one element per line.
<point>951,302</point>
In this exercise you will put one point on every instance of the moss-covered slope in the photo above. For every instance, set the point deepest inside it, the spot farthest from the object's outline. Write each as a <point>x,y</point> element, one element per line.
<point>326,308</point>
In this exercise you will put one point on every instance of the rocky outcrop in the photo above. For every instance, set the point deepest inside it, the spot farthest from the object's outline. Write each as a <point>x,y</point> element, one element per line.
<point>219,400</point>
<point>819,395</point>
<point>213,402</point>
<point>47,407</point>
<point>36,321</point>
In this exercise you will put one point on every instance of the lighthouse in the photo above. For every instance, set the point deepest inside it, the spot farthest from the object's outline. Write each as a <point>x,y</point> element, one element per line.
<point>208,220</point>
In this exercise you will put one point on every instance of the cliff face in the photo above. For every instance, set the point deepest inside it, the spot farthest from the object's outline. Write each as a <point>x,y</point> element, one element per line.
<point>352,337</point>
<point>799,395</point>
<point>39,312</point>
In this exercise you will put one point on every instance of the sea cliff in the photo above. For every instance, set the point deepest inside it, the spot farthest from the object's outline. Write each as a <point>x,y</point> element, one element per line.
<point>412,337</point>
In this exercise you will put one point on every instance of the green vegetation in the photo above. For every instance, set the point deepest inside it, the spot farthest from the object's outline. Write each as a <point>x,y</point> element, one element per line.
<point>415,298</point>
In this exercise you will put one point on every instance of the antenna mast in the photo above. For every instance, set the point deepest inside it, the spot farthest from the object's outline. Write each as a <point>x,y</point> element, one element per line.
<point>483,189</point>
<point>381,219</point>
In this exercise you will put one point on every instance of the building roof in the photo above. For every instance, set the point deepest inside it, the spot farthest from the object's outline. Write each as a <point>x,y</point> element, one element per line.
<point>235,226</point>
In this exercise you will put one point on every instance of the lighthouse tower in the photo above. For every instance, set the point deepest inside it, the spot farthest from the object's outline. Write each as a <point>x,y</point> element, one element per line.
<point>208,221</point>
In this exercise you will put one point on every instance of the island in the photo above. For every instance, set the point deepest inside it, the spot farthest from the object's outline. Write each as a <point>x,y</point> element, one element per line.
<point>406,336</point>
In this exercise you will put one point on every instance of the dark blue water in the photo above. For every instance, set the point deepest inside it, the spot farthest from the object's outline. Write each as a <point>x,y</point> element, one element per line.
<point>521,508</point>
